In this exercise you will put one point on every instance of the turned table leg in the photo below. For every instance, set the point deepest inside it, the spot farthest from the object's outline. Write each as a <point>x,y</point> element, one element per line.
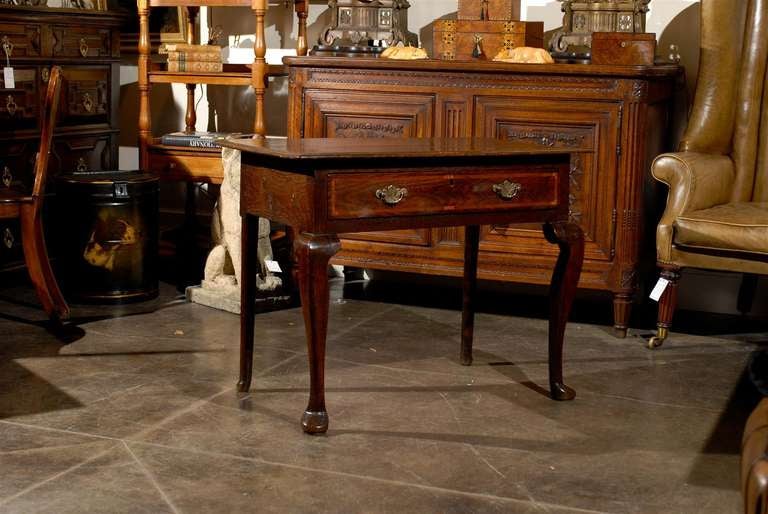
<point>249,252</point>
<point>570,238</point>
<point>471,244</point>
<point>311,254</point>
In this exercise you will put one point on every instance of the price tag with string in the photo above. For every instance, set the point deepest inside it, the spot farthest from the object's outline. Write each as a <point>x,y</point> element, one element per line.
<point>8,79</point>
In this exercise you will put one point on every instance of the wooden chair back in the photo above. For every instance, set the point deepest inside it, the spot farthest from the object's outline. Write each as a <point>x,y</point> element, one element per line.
<point>50,110</point>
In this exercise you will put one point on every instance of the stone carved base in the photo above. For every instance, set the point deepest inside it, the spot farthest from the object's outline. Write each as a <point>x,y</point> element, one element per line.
<point>220,287</point>
<point>230,301</point>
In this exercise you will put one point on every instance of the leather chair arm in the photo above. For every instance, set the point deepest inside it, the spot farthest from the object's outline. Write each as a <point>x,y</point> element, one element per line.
<point>696,181</point>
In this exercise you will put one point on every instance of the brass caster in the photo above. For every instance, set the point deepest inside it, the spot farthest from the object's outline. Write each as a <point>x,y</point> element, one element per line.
<point>655,342</point>
<point>658,339</point>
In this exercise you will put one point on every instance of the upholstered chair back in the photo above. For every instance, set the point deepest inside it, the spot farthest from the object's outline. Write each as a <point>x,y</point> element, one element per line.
<point>730,110</point>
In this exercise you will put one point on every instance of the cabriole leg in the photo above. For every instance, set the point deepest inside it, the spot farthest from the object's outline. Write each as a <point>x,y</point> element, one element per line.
<point>570,238</point>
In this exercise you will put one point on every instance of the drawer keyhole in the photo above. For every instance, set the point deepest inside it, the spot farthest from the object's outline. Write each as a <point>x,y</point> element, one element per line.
<point>8,238</point>
<point>7,176</point>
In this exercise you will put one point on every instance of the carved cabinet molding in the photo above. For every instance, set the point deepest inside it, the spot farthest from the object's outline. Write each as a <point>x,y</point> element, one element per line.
<point>612,118</point>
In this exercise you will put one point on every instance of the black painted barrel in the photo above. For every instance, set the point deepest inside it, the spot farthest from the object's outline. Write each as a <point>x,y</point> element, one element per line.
<point>108,236</point>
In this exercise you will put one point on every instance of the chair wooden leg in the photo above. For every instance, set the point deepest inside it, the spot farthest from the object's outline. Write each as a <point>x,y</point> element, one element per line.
<point>39,265</point>
<point>667,306</point>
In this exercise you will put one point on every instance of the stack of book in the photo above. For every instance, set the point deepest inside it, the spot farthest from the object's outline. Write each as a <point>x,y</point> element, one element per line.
<point>193,58</point>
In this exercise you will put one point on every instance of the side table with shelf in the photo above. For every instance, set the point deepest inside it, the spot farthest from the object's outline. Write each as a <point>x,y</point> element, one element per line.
<point>202,164</point>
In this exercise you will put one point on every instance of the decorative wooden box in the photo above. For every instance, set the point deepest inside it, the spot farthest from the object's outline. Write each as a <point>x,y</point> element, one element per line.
<point>622,48</point>
<point>457,39</point>
<point>495,10</point>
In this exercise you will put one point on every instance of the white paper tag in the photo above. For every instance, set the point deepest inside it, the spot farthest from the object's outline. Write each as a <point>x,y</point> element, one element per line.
<point>661,285</point>
<point>273,266</point>
<point>10,83</point>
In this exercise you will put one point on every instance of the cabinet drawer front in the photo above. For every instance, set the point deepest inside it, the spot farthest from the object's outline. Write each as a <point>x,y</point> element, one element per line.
<point>82,153</point>
<point>19,107</point>
<point>383,194</point>
<point>10,243</point>
<point>85,96</point>
<point>17,163</point>
<point>24,39</point>
<point>81,42</point>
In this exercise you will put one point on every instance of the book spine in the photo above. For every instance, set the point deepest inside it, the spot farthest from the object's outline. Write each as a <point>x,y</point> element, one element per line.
<point>206,67</point>
<point>189,141</point>
<point>205,49</point>
<point>194,56</point>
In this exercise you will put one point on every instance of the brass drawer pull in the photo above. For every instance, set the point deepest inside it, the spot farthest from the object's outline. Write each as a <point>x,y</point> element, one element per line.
<point>10,105</point>
<point>7,46</point>
<point>81,165</point>
<point>83,47</point>
<point>45,74</point>
<point>391,195</point>
<point>7,176</point>
<point>507,190</point>
<point>8,238</point>
<point>87,102</point>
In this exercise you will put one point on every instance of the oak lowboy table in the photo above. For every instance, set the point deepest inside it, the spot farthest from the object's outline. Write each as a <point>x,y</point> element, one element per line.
<point>323,187</point>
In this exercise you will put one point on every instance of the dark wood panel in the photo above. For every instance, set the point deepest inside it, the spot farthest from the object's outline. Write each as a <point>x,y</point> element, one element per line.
<point>402,193</point>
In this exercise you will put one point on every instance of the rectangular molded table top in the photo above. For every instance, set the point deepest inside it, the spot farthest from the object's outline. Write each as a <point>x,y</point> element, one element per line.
<point>340,149</point>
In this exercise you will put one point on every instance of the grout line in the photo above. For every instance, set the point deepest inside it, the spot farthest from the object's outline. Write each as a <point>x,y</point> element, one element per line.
<point>60,474</point>
<point>151,477</point>
<point>398,483</point>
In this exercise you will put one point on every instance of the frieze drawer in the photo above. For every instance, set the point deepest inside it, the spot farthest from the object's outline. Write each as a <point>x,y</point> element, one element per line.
<point>19,40</point>
<point>10,243</point>
<point>85,96</point>
<point>16,164</point>
<point>548,136</point>
<point>82,153</point>
<point>19,107</point>
<point>81,42</point>
<point>371,195</point>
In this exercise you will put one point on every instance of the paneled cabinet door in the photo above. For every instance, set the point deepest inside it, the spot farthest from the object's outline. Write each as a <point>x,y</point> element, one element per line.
<point>372,115</point>
<point>85,96</point>
<point>584,128</point>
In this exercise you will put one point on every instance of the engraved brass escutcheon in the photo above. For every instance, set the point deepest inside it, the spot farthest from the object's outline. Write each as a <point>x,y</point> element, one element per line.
<point>507,190</point>
<point>87,102</point>
<point>10,105</point>
<point>391,195</point>
<point>83,47</point>
<point>7,176</point>
<point>7,46</point>
<point>81,165</point>
<point>8,238</point>
<point>45,74</point>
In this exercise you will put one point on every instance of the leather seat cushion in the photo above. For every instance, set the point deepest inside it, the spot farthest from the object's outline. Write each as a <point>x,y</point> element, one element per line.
<point>733,226</point>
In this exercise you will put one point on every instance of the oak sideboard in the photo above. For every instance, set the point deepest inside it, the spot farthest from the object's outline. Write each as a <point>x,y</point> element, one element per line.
<point>612,119</point>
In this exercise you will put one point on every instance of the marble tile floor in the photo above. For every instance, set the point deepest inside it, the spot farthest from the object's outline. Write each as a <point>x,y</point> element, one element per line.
<point>137,412</point>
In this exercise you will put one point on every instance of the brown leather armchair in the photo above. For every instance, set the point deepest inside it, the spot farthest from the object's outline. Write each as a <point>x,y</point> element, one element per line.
<point>717,210</point>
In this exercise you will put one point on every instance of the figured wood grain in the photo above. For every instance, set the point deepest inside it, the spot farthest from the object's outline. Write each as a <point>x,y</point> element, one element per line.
<point>354,195</point>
